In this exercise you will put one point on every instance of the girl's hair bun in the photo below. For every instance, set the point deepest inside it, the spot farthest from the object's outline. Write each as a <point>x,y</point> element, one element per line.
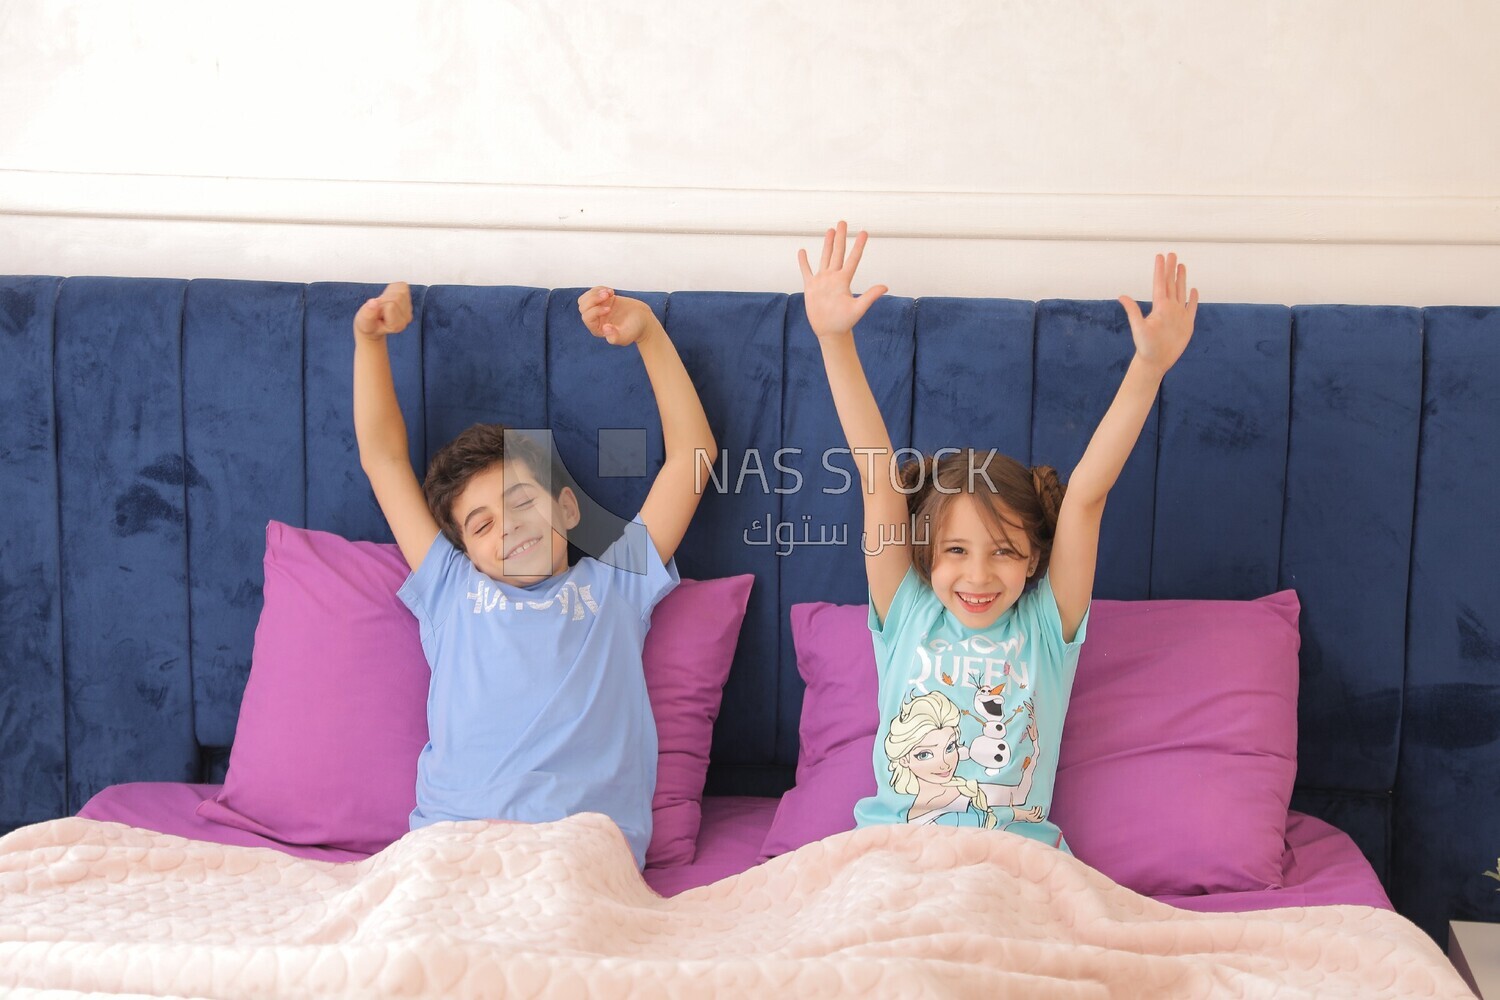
<point>1049,490</point>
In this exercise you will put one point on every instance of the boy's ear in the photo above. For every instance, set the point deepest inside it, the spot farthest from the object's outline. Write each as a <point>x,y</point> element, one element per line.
<point>569,504</point>
<point>1031,569</point>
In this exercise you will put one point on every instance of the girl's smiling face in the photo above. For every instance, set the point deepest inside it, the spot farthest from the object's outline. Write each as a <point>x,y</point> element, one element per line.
<point>514,531</point>
<point>934,759</point>
<point>976,573</point>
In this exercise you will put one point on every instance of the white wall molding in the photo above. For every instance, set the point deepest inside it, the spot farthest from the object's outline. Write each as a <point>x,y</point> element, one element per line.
<point>1151,218</point>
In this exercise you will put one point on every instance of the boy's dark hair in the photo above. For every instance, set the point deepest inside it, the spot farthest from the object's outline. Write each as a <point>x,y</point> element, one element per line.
<point>478,448</point>
<point>998,483</point>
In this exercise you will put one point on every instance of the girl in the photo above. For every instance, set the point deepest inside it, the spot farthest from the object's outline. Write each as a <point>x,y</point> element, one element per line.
<point>980,574</point>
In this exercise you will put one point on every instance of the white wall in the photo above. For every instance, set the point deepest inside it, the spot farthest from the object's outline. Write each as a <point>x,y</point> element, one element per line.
<point>1291,152</point>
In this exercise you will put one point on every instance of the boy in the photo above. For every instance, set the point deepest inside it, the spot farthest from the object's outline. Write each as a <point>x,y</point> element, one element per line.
<point>537,707</point>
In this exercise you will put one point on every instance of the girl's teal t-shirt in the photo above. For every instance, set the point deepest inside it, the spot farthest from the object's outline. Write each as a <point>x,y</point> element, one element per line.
<point>970,719</point>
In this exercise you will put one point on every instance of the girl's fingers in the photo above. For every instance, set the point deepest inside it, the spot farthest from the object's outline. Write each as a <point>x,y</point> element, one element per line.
<point>864,302</point>
<point>1182,283</point>
<point>1192,305</point>
<point>1132,311</point>
<point>827,250</point>
<point>857,252</point>
<point>1171,276</point>
<point>807,274</point>
<point>838,245</point>
<point>1159,279</point>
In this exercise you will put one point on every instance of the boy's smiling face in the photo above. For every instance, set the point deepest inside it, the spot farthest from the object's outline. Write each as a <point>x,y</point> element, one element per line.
<point>514,531</point>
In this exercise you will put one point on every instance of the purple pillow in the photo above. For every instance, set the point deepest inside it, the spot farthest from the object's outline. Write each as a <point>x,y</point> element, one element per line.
<point>1177,758</point>
<point>840,713</point>
<point>1180,747</point>
<point>688,651</point>
<point>335,710</point>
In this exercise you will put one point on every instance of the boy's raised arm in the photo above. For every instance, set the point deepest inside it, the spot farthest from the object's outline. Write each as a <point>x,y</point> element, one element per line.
<point>379,429</point>
<point>686,436</point>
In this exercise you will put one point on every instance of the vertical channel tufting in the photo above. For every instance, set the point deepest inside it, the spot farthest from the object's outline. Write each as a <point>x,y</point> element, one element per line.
<point>1397,863</point>
<point>1082,351</point>
<point>58,618</point>
<point>420,445</point>
<point>123,530</point>
<point>972,376</point>
<point>1031,396</point>
<point>243,442</point>
<point>187,520</point>
<point>1350,482</point>
<point>1222,418</point>
<point>33,737</point>
<point>302,403</point>
<point>546,358</point>
<point>785,654</point>
<point>1411,563</point>
<point>731,344</point>
<point>1291,417</point>
<point>484,356</point>
<point>1447,809</point>
<point>1346,543</point>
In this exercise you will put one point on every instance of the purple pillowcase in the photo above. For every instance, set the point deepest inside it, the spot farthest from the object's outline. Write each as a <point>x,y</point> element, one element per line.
<point>688,652</point>
<point>335,710</point>
<point>840,713</point>
<point>1178,754</point>
<point>1180,748</point>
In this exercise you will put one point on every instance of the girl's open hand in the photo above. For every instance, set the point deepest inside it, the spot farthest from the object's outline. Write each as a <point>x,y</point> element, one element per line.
<point>616,318</point>
<point>1161,338</point>
<point>387,314</point>
<point>831,305</point>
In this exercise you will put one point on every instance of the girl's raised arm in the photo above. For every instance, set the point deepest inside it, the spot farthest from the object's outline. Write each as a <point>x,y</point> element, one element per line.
<point>1159,342</point>
<point>833,311</point>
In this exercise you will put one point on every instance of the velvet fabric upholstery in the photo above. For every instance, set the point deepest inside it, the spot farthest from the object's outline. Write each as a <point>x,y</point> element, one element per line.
<point>122,498</point>
<point>33,730</point>
<point>154,426</point>
<point>1447,792</point>
<point>236,338</point>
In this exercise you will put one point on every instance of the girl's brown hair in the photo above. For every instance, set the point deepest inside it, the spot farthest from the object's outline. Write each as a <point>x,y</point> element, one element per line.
<point>1005,490</point>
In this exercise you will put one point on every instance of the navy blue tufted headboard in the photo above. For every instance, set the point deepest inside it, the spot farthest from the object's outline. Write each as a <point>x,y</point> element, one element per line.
<point>152,427</point>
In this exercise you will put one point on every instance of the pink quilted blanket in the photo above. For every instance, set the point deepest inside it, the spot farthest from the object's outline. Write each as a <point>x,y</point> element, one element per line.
<point>488,909</point>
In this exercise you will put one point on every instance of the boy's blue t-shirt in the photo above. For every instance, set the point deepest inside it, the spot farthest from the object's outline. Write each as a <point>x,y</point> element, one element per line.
<point>537,708</point>
<point>956,712</point>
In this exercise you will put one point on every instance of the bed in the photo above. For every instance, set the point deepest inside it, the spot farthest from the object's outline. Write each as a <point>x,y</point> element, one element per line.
<point>1289,668</point>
